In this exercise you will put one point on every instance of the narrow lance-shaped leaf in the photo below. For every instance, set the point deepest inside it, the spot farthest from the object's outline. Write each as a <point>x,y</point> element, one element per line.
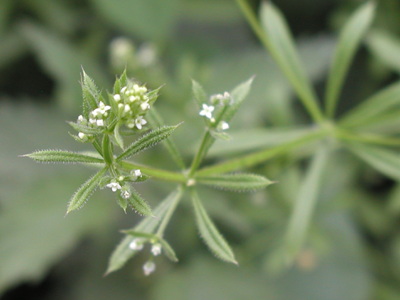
<point>238,94</point>
<point>220,135</point>
<point>281,46</point>
<point>122,253</point>
<point>349,40</point>
<point>156,121</point>
<point>210,234</point>
<point>304,205</point>
<point>139,204</point>
<point>118,137</point>
<point>199,95</point>
<point>385,46</point>
<point>149,140</point>
<point>120,82</point>
<point>384,100</point>
<point>246,140</point>
<point>85,191</point>
<point>385,161</point>
<point>85,129</point>
<point>90,94</point>
<point>122,202</point>
<point>169,252</point>
<point>60,156</point>
<point>236,182</point>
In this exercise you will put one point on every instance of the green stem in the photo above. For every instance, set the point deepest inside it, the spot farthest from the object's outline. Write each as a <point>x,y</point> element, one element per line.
<point>260,156</point>
<point>371,139</point>
<point>156,173</point>
<point>306,97</point>
<point>170,211</point>
<point>204,146</point>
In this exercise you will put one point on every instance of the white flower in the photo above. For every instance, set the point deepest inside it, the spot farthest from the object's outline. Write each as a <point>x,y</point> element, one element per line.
<point>100,122</point>
<point>149,267</point>
<point>136,174</point>
<point>117,97</point>
<point>221,99</point>
<point>156,249</point>
<point>223,125</point>
<point>127,108</point>
<point>136,244</point>
<point>139,121</point>
<point>123,89</point>
<point>82,136</point>
<point>102,109</point>
<point>132,98</point>
<point>145,105</point>
<point>207,111</point>
<point>126,194</point>
<point>81,119</point>
<point>114,186</point>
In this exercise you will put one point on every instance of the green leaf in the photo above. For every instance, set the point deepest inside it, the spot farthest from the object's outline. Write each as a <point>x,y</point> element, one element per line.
<point>255,138</point>
<point>60,156</point>
<point>85,191</point>
<point>349,41</point>
<point>149,140</point>
<point>220,135</point>
<point>304,205</point>
<point>85,129</point>
<point>236,182</point>
<point>385,161</point>
<point>199,95</point>
<point>210,234</point>
<point>281,46</point>
<point>385,47</point>
<point>122,202</point>
<point>122,252</point>
<point>238,94</point>
<point>169,252</point>
<point>120,82</point>
<point>383,101</point>
<point>139,204</point>
<point>117,136</point>
<point>156,121</point>
<point>90,94</point>
<point>255,158</point>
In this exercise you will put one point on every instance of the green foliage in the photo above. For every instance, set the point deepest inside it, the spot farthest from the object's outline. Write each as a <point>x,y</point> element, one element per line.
<point>59,156</point>
<point>147,141</point>
<point>306,235</point>
<point>210,234</point>
<point>348,43</point>
<point>85,191</point>
<point>236,182</point>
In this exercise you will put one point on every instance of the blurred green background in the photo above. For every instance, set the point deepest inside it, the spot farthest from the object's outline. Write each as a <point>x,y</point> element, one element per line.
<point>354,248</point>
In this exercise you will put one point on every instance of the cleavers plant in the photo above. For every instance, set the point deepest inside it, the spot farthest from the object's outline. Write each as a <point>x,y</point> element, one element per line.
<point>107,122</point>
<point>128,111</point>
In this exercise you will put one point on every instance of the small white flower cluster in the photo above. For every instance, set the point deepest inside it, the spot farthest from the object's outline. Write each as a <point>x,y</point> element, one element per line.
<point>97,118</point>
<point>115,184</point>
<point>132,102</point>
<point>216,100</point>
<point>156,249</point>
